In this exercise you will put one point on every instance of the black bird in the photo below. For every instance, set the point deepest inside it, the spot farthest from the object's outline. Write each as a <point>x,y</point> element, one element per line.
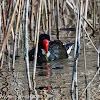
<point>50,50</point>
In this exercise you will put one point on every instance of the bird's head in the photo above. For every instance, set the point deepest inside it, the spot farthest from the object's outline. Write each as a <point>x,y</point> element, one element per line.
<point>46,47</point>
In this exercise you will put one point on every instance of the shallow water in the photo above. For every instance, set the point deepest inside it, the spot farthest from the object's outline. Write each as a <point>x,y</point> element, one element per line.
<point>56,75</point>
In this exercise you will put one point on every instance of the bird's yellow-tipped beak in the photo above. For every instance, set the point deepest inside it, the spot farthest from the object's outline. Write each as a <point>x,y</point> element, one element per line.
<point>47,55</point>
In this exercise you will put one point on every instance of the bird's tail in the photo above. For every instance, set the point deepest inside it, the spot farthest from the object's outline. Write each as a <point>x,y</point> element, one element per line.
<point>68,47</point>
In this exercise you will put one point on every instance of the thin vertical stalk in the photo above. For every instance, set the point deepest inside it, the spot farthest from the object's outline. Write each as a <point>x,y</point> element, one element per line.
<point>14,51</point>
<point>18,41</point>
<point>2,60</point>
<point>75,61</point>
<point>9,30</point>
<point>49,7</point>
<point>63,8</point>
<point>85,8</point>
<point>32,19</point>
<point>21,36</point>
<point>94,16</point>
<point>98,62</point>
<point>42,16</point>
<point>76,51</point>
<point>36,48</point>
<point>26,44</point>
<point>36,94</point>
<point>23,16</point>
<point>0,22</point>
<point>9,8</point>
<point>18,18</point>
<point>36,30</point>
<point>85,67</point>
<point>57,18</point>
<point>12,32</point>
<point>4,17</point>
<point>53,11</point>
<point>46,20</point>
<point>9,57</point>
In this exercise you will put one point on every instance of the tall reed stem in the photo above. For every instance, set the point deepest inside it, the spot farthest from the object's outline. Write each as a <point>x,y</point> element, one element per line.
<point>18,19</point>
<point>36,48</point>
<point>27,45</point>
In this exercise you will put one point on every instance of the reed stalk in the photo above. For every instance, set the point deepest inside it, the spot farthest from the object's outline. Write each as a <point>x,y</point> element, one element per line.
<point>35,36</point>
<point>32,20</point>
<point>94,76</point>
<point>4,17</point>
<point>9,30</point>
<point>36,48</point>
<point>57,18</point>
<point>9,57</point>
<point>21,36</point>
<point>27,45</point>
<point>42,16</point>
<point>46,14</point>
<point>12,32</point>
<point>0,22</point>
<point>85,8</point>
<point>63,8</point>
<point>98,61</point>
<point>76,52</point>
<point>2,60</point>
<point>49,16</point>
<point>74,8</point>
<point>14,53</point>
<point>23,16</point>
<point>94,16</point>
<point>53,11</point>
<point>85,63</point>
<point>9,8</point>
<point>18,19</point>
<point>18,46</point>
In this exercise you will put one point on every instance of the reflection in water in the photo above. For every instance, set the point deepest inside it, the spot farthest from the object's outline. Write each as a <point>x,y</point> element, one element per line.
<point>50,69</point>
<point>35,91</point>
<point>57,65</point>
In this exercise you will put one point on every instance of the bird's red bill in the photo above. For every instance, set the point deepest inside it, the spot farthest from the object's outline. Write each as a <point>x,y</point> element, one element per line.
<point>46,45</point>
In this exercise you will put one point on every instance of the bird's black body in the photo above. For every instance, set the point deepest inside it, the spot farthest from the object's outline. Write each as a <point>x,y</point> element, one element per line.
<point>56,48</point>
